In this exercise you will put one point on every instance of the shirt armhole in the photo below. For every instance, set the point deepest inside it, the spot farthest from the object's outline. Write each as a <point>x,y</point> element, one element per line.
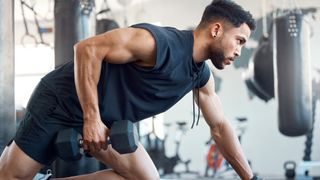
<point>203,76</point>
<point>153,31</point>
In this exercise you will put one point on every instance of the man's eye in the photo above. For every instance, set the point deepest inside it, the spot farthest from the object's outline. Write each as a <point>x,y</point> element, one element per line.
<point>240,41</point>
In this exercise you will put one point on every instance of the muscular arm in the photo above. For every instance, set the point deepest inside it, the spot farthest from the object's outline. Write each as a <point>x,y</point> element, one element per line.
<point>118,46</point>
<point>221,131</point>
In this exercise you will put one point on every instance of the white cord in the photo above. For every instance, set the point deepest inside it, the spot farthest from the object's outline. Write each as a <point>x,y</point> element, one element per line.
<point>264,19</point>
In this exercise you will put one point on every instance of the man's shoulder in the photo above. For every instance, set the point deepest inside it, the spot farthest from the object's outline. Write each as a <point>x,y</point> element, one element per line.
<point>156,27</point>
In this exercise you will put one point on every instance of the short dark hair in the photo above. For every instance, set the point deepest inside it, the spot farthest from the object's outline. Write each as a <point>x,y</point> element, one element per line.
<point>229,11</point>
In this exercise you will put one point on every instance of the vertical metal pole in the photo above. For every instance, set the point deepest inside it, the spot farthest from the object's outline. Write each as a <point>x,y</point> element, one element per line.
<point>7,106</point>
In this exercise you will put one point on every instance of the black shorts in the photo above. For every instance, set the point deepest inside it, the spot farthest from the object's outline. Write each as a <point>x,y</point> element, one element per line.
<point>44,118</point>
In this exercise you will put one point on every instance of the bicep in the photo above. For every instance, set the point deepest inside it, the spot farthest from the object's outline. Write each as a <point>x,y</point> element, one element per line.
<point>210,104</point>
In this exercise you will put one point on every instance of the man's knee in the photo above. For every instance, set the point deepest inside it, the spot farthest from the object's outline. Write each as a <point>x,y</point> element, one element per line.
<point>132,172</point>
<point>154,175</point>
<point>12,174</point>
<point>14,164</point>
<point>142,176</point>
<point>137,165</point>
<point>6,172</point>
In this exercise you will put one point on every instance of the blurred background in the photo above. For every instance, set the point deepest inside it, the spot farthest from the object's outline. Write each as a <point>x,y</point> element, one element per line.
<point>187,152</point>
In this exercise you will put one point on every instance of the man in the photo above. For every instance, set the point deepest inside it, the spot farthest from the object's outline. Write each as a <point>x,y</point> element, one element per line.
<point>131,73</point>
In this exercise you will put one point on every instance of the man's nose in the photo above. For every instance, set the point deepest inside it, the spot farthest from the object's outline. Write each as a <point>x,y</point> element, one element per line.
<point>237,52</point>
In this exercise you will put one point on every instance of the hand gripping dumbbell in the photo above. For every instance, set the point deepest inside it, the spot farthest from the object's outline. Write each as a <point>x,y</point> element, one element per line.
<point>123,138</point>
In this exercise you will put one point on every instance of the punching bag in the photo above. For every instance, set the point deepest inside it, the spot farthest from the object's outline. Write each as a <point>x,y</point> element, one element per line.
<point>293,84</point>
<point>74,20</point>
<point>259,75</point>
<point>103,22</point>
<point>104,25</point>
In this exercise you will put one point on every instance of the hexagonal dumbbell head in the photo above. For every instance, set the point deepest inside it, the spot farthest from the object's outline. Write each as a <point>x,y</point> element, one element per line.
<point>67,145</point>
<point>124,136</point>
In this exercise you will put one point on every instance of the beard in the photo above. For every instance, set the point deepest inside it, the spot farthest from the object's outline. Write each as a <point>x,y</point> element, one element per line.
<point>217,58</point>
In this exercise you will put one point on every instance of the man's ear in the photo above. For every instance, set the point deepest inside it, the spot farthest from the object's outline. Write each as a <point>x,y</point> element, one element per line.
<point>215,29</point>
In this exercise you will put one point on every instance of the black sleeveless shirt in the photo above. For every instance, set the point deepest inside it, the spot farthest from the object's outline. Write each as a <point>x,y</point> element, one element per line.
<point>128,91</point>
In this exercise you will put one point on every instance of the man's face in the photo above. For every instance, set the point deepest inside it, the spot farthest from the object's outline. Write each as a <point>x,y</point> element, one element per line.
<point>227,46</point>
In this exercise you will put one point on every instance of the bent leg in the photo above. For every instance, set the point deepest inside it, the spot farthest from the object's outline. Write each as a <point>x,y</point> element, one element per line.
<point>105,174</point>
<point>15,164</point>
<point>137,165</point>
<point>133,166</point>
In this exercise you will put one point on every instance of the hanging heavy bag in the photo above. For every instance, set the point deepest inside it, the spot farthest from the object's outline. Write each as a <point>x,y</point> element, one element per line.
<point>259,76</point>
<point>73,21</point>
<point>264,68</point>
<point>293,83</point>
<point>104,22</point>
<point>104,25</point>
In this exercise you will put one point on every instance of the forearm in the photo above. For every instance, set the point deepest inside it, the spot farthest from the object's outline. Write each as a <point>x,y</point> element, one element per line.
<point>231,149</point>
<point>87,72</point>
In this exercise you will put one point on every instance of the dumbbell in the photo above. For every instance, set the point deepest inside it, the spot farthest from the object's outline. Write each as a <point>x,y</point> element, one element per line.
<point>123,138</point>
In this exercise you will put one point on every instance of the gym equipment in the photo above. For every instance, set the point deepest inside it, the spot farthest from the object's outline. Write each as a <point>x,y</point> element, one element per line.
<point>41,30</point>
<point>292,69</point>
<point>307,164</point>
<point>290,169</point>
<point>156,149</point>
<point>68,145</point>
<point>123,138</point>
<point>73,21</point>
<point>216,164</point>
<point>304,167</point>
<point>215,160</point>
<point>170,162</point>
<point>259,75</point>
<point>154,146</point>
<point>104,25</point>
<point>309,135</point>
<point>286,75</point>
<point>124,131</point>
<point>103,22</point>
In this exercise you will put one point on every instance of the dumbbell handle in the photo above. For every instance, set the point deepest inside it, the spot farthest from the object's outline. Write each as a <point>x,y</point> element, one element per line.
<point>123,137</point>
<point>81,142</point>
<point>86,152</point>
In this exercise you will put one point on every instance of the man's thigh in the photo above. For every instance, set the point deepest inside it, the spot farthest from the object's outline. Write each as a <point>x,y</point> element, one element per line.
<point>136,165</point>
<point>44,118</point>
<point>15,164</point>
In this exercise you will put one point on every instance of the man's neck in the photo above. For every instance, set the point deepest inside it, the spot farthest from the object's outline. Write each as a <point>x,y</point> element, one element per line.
<point>200,46</point>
